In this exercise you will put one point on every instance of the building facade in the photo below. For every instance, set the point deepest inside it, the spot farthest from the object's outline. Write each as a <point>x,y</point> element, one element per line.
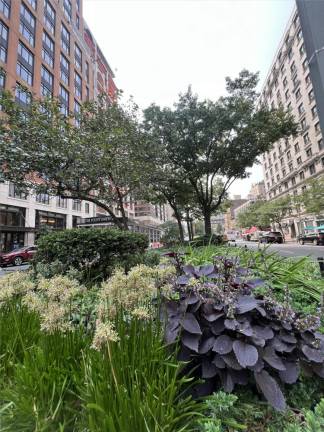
<point>47,49</point>
<point>290,163</point>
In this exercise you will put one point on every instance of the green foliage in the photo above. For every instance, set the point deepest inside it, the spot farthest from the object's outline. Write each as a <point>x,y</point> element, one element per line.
<point>100,154</point>
<point>93,252</point>
<point>313,197</point>
<point>171,233</point>
<point>210,144</point>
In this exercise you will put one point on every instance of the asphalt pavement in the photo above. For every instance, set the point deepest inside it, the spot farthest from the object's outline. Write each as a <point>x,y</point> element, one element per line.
<point>287,249</point>
<point>6,270</point>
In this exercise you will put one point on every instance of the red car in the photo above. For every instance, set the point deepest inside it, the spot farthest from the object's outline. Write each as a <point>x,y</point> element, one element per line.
<point>18,256</point>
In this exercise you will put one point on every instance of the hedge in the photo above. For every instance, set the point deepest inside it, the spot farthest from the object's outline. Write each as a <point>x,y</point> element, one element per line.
<point>94,252</point>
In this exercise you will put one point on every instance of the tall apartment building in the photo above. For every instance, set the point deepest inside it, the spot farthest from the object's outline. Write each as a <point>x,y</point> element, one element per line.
<point>47,48</point>
<point>290,163</point>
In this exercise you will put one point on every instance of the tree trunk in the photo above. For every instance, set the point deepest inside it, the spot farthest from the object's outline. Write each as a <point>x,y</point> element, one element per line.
<point>178,217</point>
<point>282,232</point>
<point>207,222</point>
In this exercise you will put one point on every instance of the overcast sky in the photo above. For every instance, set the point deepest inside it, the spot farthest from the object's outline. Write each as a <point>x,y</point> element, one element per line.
<point>156,48</point>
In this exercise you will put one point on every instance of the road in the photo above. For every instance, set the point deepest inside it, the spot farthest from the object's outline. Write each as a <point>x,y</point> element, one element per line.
<point>6,270</point>
<point>288,249</point>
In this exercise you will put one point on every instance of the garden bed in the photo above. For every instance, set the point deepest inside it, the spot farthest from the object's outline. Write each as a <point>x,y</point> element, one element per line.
<point>156,349</point>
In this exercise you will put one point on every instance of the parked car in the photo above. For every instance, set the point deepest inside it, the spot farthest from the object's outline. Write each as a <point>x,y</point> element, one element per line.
<point>17,256</point>
<point>317,238</point>
<point>271,237</point>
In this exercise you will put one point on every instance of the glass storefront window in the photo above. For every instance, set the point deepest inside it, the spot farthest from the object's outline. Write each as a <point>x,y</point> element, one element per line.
<point>12,216</point>
<point>51,220</point>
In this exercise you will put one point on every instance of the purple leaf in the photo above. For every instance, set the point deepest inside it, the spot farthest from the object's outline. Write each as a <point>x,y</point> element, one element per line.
<point>189,269</point>
<point>270,356</point>
<point>171,332</point>
<point>223,344</point>
<point>206,270</point>
<point>263,332</point>
<point>259,365</point>
<point>209,370</point>
<point>190,340</point>
<point>230,324</point>
<point>270,389</point>
<point>183,280</point>
<point>281,346</point>
<point>206,345</point>
<point>219,362</point>
<point>227,381</point>
<point>258,341</point>
<point>217,327</point>
<point>246,304</point>
<point>246,354</point>
<point>290,375</point>
<point>313,354</point>
<point>213,316</point>
<point>191,299</point>
<point>191,324</point>
<point>231,361</point>
<point>288,337</point>
<point>245,329</point>
<point>254,283</point>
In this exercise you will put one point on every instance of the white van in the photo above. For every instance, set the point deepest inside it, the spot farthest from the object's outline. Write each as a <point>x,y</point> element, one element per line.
<point>232,235</point>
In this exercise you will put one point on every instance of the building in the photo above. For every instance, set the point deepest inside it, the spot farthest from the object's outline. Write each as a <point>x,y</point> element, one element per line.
<point>46,48</point>
<point>290,163</point>
<point>230,222</point>
<point>257,192</point>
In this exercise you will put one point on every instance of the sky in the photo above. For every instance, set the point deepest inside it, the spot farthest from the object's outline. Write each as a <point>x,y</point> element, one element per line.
<point>157,48</point>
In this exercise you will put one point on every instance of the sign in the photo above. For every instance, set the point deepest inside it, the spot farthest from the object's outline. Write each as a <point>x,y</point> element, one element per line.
<point>97,220</point>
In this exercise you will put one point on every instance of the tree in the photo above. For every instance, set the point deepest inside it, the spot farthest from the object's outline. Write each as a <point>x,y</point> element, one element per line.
<point>251,216</point>
<point>313,197</point>
<point>211,144</point>
<point>273,212</point>
<point>171,233</point>
<point>91,156</point>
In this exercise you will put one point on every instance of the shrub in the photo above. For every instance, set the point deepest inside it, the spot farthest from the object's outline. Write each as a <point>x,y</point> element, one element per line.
<point>214,239</point>
<point>233,337</point>
<point>94,252</point>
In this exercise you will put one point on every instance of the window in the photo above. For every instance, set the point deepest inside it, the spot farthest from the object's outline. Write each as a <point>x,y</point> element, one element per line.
<point>282,69</point>
<point>302,50</point>
<point>48,50</point>
<point>15,192</point>
<point>22,96</point>
<point>77,111</point>
<point>77,21</point>
<point>312,169</point>
<point>285,82</point>
<point>77,5</point>
<point>87,94</point>
<point>67,9</point>
<point>317,128</point>
<point>47,80</point>
<point>314,111</point>
<point>64,99</point>
<point>303,124</point>
<point>87,208</point>
<point>290,166</point>
<point>301,175</point>
<point>288,155</point>
<point>299,160</point>
<point>52,220</point>
<point>284,172</point>
<point>49,16</point>
<point>65,69</point>
<point>76,205</point>
<point>282,161</point>
<point>293,68</point>
<point>299,35</point>
<point>42,198</point>
<point>322,162</point>
<point>306,138</point>
<point>278,177</point>
<point>27,25</point>
<point>295,81</point>
<point>33,4</point>
<point>4,32</point>
<point>61,202</point>
<point>25,63</point>
<point>308,80</point>
<point>5,7</point>
<point>87,72</point>
<point>321,144</point>
<point>77,85</point>
<point>78,57</point>
<point>276,167</point>
<point>286,185</point>
<point>274,156</point>
<point>309,152</point>
<point>311,96</point>
<point>297,149</point>
<point>305,65</point>
<point>280,189</point>
<point>293,181</point>
<point>301,109</point>
<point>2,79</point>
<point>298,94</point>
<point>290,54</point>
<point>65,39</point>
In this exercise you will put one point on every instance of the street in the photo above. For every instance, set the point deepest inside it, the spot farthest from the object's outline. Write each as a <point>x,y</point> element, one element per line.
<point>287,249</point>
<point>6,270</point>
